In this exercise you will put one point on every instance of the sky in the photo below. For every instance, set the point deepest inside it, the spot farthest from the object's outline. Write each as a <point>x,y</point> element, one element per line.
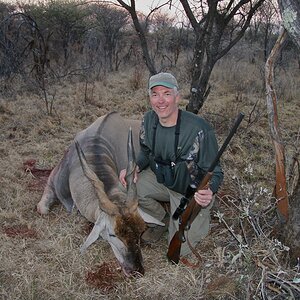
<point>145,6</point>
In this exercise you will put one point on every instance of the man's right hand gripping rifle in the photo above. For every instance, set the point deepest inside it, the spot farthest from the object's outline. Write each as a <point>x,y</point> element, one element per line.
<point>189,206</point>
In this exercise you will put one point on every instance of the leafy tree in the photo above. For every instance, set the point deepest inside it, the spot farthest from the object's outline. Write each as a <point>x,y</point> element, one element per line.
<point>265,24</point>
<point>64,20</point>
<point>180,39</point>
<point>12,45</point>
<point>141,34</point>
<point>168,38</point>
<point>110,23</point>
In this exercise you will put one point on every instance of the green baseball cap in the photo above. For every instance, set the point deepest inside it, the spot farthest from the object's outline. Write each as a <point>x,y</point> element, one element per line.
<point>164,79</point>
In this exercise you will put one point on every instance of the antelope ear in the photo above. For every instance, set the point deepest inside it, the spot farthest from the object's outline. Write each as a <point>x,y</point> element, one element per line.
<point>95,233</point>
<point>148,218</point>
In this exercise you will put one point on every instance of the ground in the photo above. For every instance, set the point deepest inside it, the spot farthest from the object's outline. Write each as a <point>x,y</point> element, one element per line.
<point>240,259</point>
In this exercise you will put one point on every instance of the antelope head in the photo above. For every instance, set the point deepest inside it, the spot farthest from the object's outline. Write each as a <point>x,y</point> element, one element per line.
<point>119,222</point>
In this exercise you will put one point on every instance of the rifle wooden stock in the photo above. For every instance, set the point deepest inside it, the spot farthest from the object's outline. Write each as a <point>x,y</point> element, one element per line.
<point>193,209</point>
<point>188,216</point>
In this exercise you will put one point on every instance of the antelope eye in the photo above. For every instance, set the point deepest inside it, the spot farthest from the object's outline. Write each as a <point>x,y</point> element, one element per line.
<point>112,235</point>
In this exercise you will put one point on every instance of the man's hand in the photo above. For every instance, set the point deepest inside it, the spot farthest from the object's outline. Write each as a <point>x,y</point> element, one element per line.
<point>122,176</point>
<point>203,197</point>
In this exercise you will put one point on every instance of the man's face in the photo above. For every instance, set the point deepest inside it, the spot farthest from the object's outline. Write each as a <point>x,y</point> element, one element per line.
<point>164,102</point>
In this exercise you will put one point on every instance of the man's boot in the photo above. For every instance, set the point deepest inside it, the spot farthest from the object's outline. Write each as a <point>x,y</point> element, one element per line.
<point>154,233</point>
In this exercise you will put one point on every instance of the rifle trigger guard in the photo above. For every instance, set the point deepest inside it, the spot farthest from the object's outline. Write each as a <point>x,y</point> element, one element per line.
<point>188,226</point>
<point>182,238</point>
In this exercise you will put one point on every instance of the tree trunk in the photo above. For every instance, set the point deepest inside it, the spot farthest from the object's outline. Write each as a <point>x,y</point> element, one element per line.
<point>209,47</point>
<point>292,230</point>
<point>280,187</point>
<point>290,13</point>
<point>200,89</point>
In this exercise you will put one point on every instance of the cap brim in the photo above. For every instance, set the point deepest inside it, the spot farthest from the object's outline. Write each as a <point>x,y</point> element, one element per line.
<point>162,83</point>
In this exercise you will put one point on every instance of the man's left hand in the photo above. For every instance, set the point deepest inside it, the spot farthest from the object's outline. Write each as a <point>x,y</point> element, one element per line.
<point>204,197</point>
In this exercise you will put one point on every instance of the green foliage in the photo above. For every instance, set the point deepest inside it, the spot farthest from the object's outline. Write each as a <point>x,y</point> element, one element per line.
<point>50,41</point>
<point>65,21</point>
<point>109,26</point>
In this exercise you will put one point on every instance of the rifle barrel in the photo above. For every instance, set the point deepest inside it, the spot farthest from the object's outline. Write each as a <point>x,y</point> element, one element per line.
<point>226,142</point>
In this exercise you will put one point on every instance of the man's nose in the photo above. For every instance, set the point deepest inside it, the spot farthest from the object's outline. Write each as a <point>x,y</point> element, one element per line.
<point>161,98</point>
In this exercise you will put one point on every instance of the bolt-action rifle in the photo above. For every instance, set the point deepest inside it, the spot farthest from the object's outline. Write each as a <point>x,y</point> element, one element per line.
<point>188,208</point>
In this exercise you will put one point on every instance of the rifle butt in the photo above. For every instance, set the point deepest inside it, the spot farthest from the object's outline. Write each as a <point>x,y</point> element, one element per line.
<point>173,253</point>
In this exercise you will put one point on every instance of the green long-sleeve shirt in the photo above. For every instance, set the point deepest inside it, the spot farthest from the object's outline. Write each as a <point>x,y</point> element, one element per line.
<point>197,148</point>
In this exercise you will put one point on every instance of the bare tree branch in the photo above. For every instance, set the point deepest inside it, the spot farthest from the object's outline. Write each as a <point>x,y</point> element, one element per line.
<point>143,40</point>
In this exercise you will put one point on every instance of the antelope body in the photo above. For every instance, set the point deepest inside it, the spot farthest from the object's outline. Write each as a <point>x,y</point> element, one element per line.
<point>87,178</point>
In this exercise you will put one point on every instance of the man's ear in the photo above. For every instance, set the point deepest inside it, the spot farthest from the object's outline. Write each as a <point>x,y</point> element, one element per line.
<point>177,99</point>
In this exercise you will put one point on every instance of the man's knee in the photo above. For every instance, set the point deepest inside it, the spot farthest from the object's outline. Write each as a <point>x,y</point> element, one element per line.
<point>198,231</point>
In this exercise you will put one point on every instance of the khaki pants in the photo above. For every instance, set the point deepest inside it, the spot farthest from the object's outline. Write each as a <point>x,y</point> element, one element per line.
<point>150,193</point>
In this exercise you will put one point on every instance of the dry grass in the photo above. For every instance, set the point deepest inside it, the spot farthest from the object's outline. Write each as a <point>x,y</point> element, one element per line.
<point>40,255</point>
